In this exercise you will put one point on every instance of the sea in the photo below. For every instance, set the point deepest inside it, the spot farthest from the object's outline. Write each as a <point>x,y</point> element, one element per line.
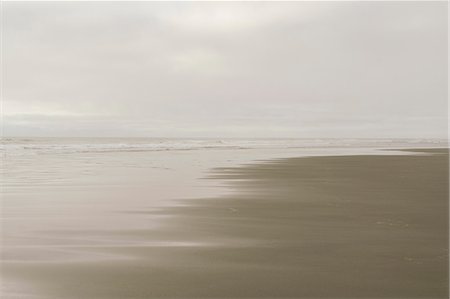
<point>55,145</point>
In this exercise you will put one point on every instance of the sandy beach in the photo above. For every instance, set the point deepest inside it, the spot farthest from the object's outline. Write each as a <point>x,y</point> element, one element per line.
<point>362,226</point>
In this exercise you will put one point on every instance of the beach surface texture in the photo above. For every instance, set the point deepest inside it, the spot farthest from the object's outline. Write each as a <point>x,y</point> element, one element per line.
<point>360,226</point>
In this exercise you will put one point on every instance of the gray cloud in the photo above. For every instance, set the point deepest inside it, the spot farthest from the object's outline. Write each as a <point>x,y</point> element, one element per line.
<point>253,69</point>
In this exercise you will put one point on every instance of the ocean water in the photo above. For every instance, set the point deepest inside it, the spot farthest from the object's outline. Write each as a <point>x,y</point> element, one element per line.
<point>22,146</point>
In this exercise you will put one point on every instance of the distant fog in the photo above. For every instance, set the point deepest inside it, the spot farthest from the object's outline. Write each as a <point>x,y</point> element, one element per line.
<point>225,69</point>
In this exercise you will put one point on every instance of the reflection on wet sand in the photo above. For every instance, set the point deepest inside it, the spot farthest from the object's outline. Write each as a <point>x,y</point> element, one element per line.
<point>336,226</point>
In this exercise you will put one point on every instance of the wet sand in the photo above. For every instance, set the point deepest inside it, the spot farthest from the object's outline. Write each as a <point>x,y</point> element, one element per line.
<point>339,226</point>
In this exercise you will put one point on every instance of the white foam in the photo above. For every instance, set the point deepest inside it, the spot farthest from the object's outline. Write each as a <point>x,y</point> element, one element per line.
<point>34,146</point>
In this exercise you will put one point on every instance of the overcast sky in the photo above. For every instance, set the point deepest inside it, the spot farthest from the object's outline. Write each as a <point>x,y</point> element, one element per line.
<point>230,69</point>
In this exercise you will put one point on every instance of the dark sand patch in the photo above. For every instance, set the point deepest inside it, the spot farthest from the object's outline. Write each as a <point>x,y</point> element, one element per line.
<point>341,227</point>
